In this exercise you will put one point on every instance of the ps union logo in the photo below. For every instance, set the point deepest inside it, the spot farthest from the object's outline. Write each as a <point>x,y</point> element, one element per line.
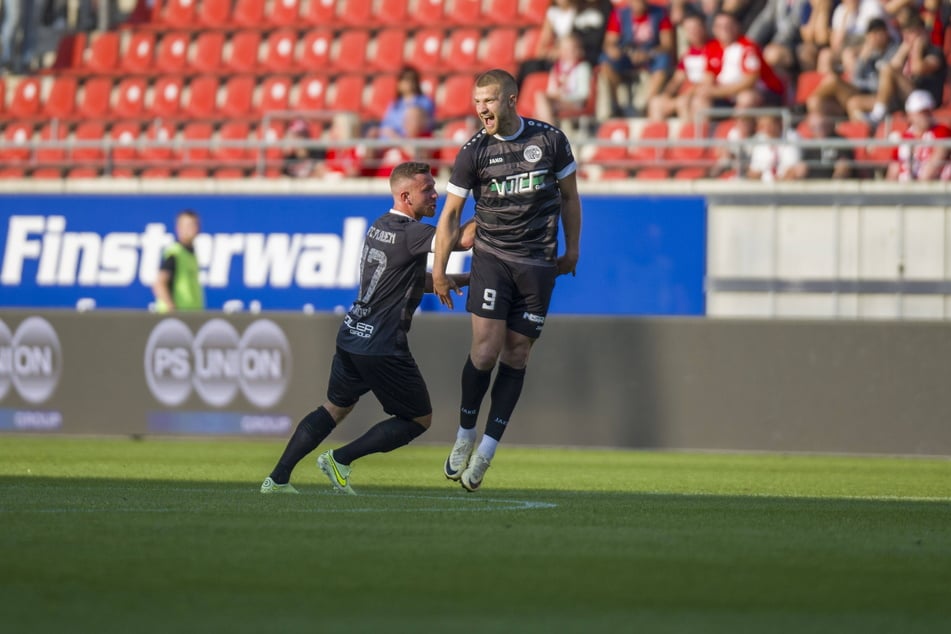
<point>31,360</point>
<point>216,363</point>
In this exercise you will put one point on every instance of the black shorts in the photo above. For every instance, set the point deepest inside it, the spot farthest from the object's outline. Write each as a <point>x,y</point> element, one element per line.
<point>517,292</point>
<point>394,380</point>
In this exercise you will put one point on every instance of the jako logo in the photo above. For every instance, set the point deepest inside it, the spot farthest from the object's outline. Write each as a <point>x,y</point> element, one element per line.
<point>31,360</point>
<point>216,363</point>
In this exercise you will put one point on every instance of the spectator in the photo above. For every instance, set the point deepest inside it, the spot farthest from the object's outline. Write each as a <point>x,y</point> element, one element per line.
<point>409,92</point>
<point>638,45</point>
<point>789,35</point>
<point>18,33</point>
<point>774,155</point>
<point>733,157</point>
<point>300,161</point>
<point>679,89</point>
<point>920,162</point>
<point>856,97</point>
<point>559,22</point>
<point>851,21</point>
<point>830,161</point>
<point>343,161</point>
<point>736,75</point>
<point>569,82</point>
<point>415,126</point>
<point>590,23</point>
<point>916,65</point>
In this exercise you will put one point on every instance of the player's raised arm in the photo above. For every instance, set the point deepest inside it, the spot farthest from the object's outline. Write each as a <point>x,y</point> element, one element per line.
<point>447,235</point>
<point>571,223</point>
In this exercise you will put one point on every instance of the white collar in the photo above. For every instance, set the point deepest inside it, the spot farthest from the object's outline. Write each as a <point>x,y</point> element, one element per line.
<point>400,213</point>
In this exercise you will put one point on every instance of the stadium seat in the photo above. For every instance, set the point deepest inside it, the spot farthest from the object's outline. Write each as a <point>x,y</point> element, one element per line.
<point>232,131</point>
<point>214,14</point>
<point>124,137</point>
<point>355,13</point>
<point>271,132</point>
<point>3,96</point>
<point>454,97</point>
<point>139,53</point>
<point>311,93</point>
<point>499,51</point>
<point>18,134</point>
<point>176,14</point>
<point>156,172</point>
<point>12,173</point>
<point>346,94</point>
<point>207,52</point>
<point>650,155</point>
<point>192,173</point>
<point>279,52</point>
<point>532,12</point>
<point>47,173</point>
<point>172,53</point>
<point>528,43</point>
<point>806,84</point>
<point>69,52</point>
<point>166,96</point>
<point>428,13</point>
<point>26,99</point>
<point>315,51</point>
<point>52,131</point>
<point>381,91</point>
<point>61,101</point>
<point>250,13</point>
<point>200,99</point>
<point>94,98</point>
<point>426,49</point>
<point>159,135</point>
<point>534,83</point>
<point>500,13</point>
<point>196,138</point>
<point>230,173</point>
<point>319,13</point>
<point>692,156</point>
<point>462,52</point>
<point>652,173</point>
<point>130,98</point>
<point>283,12</point>
<point>387,49</point>
<point>456,132</point>
<point>857,130</point>
<point>391,12</point>
<point>275,94</point>
<point>238,93</point>
<point>465,13</point>
<point>351,51</point>
<point>242,53</point>
<point>611,160</point>
<point>691,173</point>
<point>102,53</point>
<point>88,142</point>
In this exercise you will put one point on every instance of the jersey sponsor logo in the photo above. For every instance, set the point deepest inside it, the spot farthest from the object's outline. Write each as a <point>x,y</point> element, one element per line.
<point>65,258</point>
<point>389,237</point>
<point>358,328</point>
<point>495,160</point>
<point>31,360</point>
<point>519,183</point>
<point>532,317</point>
<point>216,363</point>
<point>532,153</point>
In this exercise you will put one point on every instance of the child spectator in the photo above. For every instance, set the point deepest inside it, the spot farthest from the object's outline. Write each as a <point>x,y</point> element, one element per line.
<point>569,82</point>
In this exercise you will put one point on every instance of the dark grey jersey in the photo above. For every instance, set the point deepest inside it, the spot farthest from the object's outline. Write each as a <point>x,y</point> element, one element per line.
<point>514,181</point>
<point>392,281</point>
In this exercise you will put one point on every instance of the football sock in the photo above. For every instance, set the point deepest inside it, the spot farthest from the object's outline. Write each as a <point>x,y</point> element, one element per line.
<point>505,392</point>
<point>475,383</point>
<point>487,447</point>
<point>466,434</point>
<point>310,432</point>
<point>382,437</point>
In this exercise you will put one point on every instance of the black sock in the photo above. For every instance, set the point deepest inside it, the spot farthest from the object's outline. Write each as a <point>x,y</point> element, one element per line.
<point>505,393</point>
<point>475,383</point>
<point>310,432</point>
<point>382,437</point>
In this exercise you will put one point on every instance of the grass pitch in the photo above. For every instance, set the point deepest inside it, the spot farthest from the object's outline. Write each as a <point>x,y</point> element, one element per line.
<point>113,535</point>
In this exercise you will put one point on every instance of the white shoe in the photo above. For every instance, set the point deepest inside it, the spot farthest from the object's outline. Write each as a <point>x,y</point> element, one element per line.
<point>338,474</point>
<point>472,477</point>
<point>458,458</point>
<point>270,486</point>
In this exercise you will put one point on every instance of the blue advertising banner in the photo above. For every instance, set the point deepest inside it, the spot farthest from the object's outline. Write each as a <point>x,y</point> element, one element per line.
<point>640,255</point>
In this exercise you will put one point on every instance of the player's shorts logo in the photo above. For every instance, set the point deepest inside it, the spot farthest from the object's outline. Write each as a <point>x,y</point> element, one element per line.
<point>532,154</point>
<point>217,363</point>
<point>31,360</point>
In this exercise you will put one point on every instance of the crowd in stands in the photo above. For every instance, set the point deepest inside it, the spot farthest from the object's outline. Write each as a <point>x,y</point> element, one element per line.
<point>764,89</point>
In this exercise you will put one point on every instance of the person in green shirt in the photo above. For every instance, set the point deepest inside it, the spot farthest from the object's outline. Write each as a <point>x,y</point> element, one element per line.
<point>177,286</point>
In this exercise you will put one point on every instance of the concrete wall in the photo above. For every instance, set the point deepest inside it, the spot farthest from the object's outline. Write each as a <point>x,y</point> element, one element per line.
<point>776,385</point>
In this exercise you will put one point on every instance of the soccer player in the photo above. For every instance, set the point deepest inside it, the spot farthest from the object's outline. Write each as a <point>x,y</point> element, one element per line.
<point>522,175</point>
<point>177,287</point>
<point>372,348</point>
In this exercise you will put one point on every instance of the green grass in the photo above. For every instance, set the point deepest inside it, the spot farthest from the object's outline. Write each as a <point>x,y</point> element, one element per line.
<point>114,535</point>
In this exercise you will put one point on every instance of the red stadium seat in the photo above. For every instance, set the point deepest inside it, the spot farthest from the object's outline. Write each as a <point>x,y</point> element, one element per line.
<point>272,132</point>
<point>381,93</point>
<point>130,98</point>
<point>857,130</point>
<point>351,51</point>
<point>500,49</point>
<point>457,133</point>
<point>3,95</point>
<point>391,12</point>
<point>52,131</point>
<point>242,55</point>
<point>315,51</point>
<point>156,172</point>
<point>229,173</point>
<point>615,130</point>
<point>196,137</point>
<point>102,53</point>
<point>238,93</point>
<point>250,13</point>
<point>159,136</point>
<point>200,99</point>
<point>454,97</point>
<point>652,174</point>
<point>355,13</point>
<point>386,51</point>
<point>139,53</point>
<point>279,52</point>
<point>94,98</point>
<point>806,84</point>
<point>426,49</point>
<point>692,156</point>
<point>61,101</point>
<point>87,139</point>
<point>69,52</point>
<point>214,13</point>
<point>172,53</point>
<point>232,132</point>
<point>428,13</point>
<point>177,14</point>
<point>465,12</point>
<point>650,155</point>
<point>26,99</point>
<point>207,52</point>
<point>275,94</point>
<point>463,50</point>
<point>124,137</point>
<point>533,84</point>
<point>192,173</point>
<point>311,93</point>
<point>12,173</point>
<point>166,96</point>
<point>18,134</point>
<point>346,94</point>
<point>528,43</point>
<point>533,11</point>
<point>283,12</point>
<point>500,12</point>
<point>320,13</point>
<point>45,173</point>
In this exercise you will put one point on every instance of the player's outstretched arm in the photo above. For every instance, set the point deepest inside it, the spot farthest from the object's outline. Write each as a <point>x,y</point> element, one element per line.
<point>447,235</point>
<point>571,223</point>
